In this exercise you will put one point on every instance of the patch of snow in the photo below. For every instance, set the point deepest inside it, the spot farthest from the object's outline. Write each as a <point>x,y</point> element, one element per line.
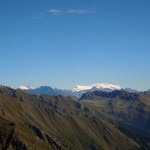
<point>97,86</point>
<point>23,88</point>
<point>26,87</point>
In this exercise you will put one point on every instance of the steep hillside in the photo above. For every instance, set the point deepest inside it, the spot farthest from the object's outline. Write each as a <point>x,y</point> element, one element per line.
<point>131,108</point>
<point>54,122</point>
<point>130,112</point>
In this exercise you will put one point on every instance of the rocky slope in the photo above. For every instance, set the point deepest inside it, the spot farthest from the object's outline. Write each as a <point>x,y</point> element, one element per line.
<point>54,122</point>
<point>129,111</point>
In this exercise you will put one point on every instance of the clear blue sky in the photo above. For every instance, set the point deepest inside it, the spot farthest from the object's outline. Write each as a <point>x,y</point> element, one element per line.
<point>62,43</point>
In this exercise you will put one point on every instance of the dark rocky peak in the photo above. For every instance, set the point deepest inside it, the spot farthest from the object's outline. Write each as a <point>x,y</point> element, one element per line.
<point>117,93</point>
<point>6,90</point>
<point>16,93</point>
<point>147,93</point>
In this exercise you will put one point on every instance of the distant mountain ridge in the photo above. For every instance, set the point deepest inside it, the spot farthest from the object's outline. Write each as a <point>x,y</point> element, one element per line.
<point>122,94</point>
<point>78,91</point>
<point>50,91</point>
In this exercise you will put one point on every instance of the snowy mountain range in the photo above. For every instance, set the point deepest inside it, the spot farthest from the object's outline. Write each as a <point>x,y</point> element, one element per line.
<point>99,86</point>
<point>77,91</point>
<point>82,87</point>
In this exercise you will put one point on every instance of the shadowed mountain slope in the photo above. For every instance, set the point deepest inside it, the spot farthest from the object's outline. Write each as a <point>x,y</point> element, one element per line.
<point>130,112</point>
<point>132,108</point>
<point>54,122</point>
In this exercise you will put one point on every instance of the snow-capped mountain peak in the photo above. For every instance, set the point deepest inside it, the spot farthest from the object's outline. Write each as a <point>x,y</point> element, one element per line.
<point>26,87</point>
<point>23,88</point>
<point>97,86</point>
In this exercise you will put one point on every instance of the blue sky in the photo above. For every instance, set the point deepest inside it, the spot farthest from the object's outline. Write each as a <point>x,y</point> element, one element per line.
<point>63,43</point>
